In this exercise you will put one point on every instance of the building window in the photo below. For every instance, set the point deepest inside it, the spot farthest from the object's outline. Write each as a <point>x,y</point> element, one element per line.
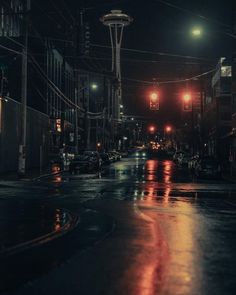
<point>226,71</point>
<point>226,116</point>
<point>225,101</point>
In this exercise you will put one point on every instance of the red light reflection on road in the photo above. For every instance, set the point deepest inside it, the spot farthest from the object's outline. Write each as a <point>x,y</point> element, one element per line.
<point>167,171</point>
<point>167,195</point>
<point>151,170</point>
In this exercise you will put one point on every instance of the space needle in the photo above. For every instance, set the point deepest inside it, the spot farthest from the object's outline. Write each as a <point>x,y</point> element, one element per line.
<point>116,20</point>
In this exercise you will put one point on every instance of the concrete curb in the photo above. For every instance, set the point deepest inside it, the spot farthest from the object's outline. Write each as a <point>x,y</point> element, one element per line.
<point>69,226</point>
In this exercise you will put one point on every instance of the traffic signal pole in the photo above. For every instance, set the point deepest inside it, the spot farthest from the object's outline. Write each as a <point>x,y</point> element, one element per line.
<point>24,73</point>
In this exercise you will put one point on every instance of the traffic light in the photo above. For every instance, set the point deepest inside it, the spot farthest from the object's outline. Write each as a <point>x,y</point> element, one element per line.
<point>154,101</point>
<point>151,129</point>
<point>168,128</point>
<point>187,102</point>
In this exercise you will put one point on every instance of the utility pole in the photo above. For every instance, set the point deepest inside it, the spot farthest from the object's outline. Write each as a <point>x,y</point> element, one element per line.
<point>22,146</point>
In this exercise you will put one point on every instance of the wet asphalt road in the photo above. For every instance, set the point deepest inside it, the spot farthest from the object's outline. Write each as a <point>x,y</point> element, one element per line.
<point>146,227</point>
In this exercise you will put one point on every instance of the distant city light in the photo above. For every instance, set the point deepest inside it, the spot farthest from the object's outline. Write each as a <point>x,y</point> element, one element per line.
<point>94,86</point>
<point>196,32</point>
<point>168,129</point>
<point>152,128</point>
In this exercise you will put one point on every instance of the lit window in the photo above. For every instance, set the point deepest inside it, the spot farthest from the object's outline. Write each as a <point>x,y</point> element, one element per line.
<point>226,71</point>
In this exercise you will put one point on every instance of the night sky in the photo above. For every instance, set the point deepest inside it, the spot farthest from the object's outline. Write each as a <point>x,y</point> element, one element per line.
<point>158,26</point>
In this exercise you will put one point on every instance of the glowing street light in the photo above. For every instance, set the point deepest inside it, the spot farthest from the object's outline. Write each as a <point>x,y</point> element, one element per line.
<point>151,128</point>
<point>94,86</point>
<point>168,129</point>
<point>196,32</point>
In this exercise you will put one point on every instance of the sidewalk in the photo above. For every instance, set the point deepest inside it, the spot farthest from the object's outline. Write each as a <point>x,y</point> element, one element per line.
<point>45,225</point>
<point>31,174</point>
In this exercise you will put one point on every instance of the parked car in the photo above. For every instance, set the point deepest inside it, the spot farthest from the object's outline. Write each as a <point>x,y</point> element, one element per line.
<point>183,159</point>
<point>176,155</point>
<point>89,161</point>
<point>111,157</point>
<point>170,152</point>
<point>105,158</point>
<point>117,155</point>
<point>124,154</point>
<point>208,167</point>
<point>140,153</point>
<point>79,164</point>
<point>193,161</point>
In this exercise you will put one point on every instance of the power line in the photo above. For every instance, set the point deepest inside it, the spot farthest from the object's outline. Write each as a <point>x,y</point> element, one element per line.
<point>56,90</point>
<point>152,52</point>
<point>191,12</point>
<point>10,49</point>
<point>134,60</point>
<point>171,81</point>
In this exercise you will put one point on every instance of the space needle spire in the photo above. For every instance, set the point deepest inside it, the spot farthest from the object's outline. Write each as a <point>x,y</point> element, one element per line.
<point>116,20</point>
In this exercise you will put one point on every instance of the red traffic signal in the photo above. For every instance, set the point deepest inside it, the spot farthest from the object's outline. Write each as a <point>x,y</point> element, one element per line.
<point>154,96</point>
<point>168,128</point>
<point>154,101</point>
<point>187,102</point>
<point>151,128</point>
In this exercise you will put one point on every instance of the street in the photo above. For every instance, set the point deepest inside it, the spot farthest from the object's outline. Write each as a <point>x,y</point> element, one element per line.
<point>143,226</point>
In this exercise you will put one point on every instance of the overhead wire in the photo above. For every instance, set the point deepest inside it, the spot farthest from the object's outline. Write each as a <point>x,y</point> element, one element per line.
<point>10,49</point>
<point>135,60</point>
<point>171,81</point>
<point>67,100</point>
<point>151,52</point>
<point>55,89</point>
<point>191,12</point>
<point>198,15</point>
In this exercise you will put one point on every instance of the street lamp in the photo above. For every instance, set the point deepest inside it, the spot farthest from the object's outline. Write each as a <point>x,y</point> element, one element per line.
<point>94,86</point>
<point>196,32</point>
